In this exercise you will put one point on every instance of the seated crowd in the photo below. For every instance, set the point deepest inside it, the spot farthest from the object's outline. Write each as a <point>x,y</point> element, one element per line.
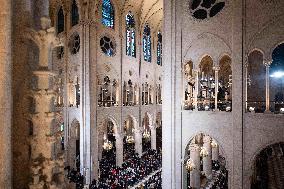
<point>133,170</point>
<point>154,182</point>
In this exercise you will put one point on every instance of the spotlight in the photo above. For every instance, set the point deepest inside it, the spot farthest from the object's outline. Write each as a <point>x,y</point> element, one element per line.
<point>277,74</point>
<point>282,110</point>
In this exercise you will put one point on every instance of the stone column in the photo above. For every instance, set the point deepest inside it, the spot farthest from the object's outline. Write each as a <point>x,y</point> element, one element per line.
<point>100,144</point>
<point>267,86</point>
<point>153,138</point>
<point>119,149</point>
<point>246,85</point>
<point>138,142</point>
<point>196,88</point>
<point>43,138</point>
<point>215,151</point>
<point>217,68</point>
<point>5,94</point>
<point>195,173</point>
<point>207,160</point>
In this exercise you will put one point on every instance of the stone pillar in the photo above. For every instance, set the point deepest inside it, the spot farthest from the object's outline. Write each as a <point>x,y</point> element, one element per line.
<point>100,144</point>
<point>215,151</point>
<point>207,160</point>
<point>267,86</point>
<point>43,139</point>
<point>5,94</point>
<point>153,138</point>
<point>119,149</point>
<point>216,86</point>
<point>138,142</point>
<point>195,173</point>
<point>246,85</point>
<point>196,88</point>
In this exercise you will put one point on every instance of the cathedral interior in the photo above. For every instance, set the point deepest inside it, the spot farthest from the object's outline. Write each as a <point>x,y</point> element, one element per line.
<point>142,94</point>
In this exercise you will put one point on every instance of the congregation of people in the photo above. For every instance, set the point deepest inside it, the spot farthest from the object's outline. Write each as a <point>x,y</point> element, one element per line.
<point>133,170</point>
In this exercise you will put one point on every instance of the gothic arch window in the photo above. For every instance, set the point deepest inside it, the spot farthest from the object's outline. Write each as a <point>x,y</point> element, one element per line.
<point>147,43</point>
<point>74,14</point>
<point>159,49</point>
<point>130,35</point>
<point>60,20</point>
<point>108,14</point>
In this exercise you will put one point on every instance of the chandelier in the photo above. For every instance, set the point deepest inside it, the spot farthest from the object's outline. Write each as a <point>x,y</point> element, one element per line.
<point>130,139</point>
<point>203,152</point>
<point>189,165</point>
<point>146,134</point>
<point>107,145</point>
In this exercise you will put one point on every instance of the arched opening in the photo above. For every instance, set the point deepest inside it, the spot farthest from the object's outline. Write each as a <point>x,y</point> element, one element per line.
<point>159,131</point>
<point>268,168</point>
<point>189,86</point>
<point>277,80</point>
<point>108,92</point>
<point>129,138</point>
<point>206,86</point>
<point>225,84</point>
<point>204,164</point>
<point>60,20</point>
<point>74,13</point>
<point>146,140</point>
<point>256,81</point>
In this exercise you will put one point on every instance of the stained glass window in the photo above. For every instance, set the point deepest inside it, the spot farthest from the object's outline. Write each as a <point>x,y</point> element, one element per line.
<point>60,21</point>
<point>74,14</point>
<point>107,14</point>
<point>147,43</point>
<point>159,49</point>
<point>130,35</point>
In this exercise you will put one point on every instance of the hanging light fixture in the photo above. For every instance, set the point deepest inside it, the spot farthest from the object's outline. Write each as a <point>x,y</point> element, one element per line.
<point>146,134</point>
<point>107,144</point>
<point>130,139</point>
<point>203,152</point>
<point>189,165</point>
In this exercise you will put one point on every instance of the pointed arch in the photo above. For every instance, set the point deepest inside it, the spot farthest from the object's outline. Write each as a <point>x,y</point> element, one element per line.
<point>60,20</point>
<point>74,13</point>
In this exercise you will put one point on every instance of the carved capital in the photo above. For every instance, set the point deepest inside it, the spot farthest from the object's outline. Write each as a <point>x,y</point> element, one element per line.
<point>216,68</point>
<point>267,63</point>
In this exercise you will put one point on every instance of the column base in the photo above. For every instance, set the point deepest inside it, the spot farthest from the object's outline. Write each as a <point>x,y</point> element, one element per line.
<point>268,112</point>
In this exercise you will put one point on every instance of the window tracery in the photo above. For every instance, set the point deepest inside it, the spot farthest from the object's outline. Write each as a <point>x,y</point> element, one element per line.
<point>108,95</point>
<point>130,35</point>
<point>107,46</point>
<point>203,9</point>
<point>147,43</point>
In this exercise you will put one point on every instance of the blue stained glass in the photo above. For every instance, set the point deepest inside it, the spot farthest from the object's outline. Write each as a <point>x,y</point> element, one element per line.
<point>130,35</point>
<point>147,43</point>
<point>107,14</point>
<point>159,49</point>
